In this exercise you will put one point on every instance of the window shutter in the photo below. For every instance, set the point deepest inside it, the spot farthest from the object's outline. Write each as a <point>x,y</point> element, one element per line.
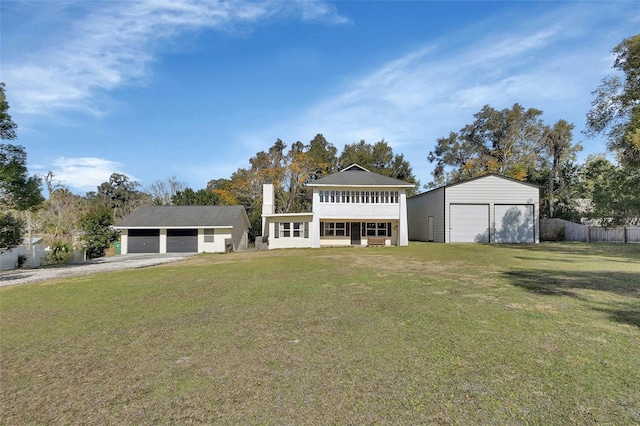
<point>306,229</point>
<point>277,230</point>
<point>347,230</point>
<point>388,229</point>
<point>363,228</point>
<point>322,228</point>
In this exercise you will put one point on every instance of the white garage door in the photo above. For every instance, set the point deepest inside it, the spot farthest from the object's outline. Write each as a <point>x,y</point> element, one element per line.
<point>514,223</point>
<point>469,223</point>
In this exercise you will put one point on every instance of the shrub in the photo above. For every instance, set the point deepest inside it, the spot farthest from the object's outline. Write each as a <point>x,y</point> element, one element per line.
<point>60,252</point>
<point>20,261</point>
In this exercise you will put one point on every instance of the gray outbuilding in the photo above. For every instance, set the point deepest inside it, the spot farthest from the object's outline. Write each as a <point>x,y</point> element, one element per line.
<point>184,229</point>
<point>487,209</point>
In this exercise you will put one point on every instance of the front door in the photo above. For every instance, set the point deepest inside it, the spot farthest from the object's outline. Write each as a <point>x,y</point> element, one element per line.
<point>355,233</point>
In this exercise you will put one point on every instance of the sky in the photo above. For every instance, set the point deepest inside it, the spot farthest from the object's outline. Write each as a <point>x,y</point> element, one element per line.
<point>194,89</point>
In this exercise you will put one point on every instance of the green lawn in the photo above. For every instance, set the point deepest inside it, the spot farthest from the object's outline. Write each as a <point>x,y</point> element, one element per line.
<point>430,333</point>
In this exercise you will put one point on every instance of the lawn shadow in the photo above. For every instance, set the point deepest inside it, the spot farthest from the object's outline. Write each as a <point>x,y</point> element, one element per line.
<point>623,252</point>
<point>565,283</point>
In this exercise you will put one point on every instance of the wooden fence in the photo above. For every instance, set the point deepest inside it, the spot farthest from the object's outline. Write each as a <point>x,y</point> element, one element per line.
<point>563,230</point>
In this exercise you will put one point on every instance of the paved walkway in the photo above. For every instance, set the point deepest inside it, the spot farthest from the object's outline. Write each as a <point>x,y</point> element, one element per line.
<point>105,264</point>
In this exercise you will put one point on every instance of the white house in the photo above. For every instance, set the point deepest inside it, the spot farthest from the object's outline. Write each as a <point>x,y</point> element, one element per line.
<point>173,229</point>
<point>487,209</point>
<point>352,207</point>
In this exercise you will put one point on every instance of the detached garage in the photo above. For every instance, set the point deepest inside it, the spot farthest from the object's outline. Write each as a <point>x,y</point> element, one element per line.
<point>488,209</point>
<point>184,229</point>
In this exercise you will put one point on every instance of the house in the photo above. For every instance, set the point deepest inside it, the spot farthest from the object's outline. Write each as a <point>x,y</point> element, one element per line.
<point>352,207</point>
<point>173,229</point>
<point>487,209</point>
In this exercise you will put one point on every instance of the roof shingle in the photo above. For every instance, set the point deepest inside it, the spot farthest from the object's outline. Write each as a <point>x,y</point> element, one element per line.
<point>187,216</point>
<point>355,175</point>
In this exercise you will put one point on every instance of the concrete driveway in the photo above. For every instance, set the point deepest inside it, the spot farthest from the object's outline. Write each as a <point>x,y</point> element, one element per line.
<point>103,264</point>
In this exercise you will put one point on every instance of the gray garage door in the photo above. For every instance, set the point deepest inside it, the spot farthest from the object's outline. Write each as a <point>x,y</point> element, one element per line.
<point>514,223</point>
<point>143,241</point>
<point>182,240</point>
<point>469,223</point>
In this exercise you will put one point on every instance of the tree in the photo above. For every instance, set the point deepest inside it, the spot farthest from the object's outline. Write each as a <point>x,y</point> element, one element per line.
<point>558,150</point>
<point>10,231</point>
<point>7,126</point>
<point>162,191</point>
<point>189,197</point>
<point>378,158</point>
<point>505,142</point>
<point>120,195</point>
<point>614,192</point>
<point>322,155</point>
<point>96,225</point>
<point>615,111</point>
<point>60,214</point>
<point>18,190</point>
<point>223,188</point>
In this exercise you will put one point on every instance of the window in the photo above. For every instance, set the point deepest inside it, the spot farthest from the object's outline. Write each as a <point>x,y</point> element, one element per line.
<point>333,196</point>
<point>386,197</point>
<point>291,230</point>
<point>208,235</point>
<point>334,229</point>
<point>322,197</point>
<point>365,197</point>
<point>346,196</point>
<point>356,197</point>
<point>285,230</point>
<point>377,229</point>
<point>394,197</point>
<point>375,197</point>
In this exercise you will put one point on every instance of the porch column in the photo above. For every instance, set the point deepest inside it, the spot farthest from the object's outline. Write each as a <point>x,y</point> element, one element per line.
<point>403,227</point>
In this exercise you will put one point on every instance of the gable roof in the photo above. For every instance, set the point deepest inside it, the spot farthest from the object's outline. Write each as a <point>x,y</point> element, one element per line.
<point>184,216</point>
<point>356,175</point>
<point>494,175</point>
<point>444,187</point>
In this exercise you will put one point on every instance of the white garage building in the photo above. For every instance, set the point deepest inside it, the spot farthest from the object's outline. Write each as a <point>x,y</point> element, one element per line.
<point>487,209</point>
<point>184,229</point>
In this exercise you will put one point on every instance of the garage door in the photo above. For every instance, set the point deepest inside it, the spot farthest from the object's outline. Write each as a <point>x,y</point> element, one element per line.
<point>143,241</point>
<point>514,223</point>
<point>182,240</point>
<point>469,223</point>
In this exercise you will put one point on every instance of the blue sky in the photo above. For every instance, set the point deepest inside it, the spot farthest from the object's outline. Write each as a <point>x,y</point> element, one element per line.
<point>195,88</point>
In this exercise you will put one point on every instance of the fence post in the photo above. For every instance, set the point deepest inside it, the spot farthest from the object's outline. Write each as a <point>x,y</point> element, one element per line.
<point>624,235</point>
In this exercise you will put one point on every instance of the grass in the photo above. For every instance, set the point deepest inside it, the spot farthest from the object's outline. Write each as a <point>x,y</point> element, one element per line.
<point>430,333</point>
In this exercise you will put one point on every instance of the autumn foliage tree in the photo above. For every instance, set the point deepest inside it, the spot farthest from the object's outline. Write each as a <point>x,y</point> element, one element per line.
<point>505,141</point>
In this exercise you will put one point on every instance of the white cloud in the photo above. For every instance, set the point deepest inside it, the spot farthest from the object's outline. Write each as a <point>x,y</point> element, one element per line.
<point>114,43</point>
<point>550,62</point>
<point>84,174</point>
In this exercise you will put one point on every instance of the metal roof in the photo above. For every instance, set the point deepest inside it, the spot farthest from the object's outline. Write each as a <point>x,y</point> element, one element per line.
<point>356,175</point>
<point>462,182</point>
<point>183,216</point>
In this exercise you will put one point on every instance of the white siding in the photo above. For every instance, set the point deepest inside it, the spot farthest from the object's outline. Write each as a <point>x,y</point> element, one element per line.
<point>239,233</point>
<point>493,190</point>
<point>363,212</point>
<point>217,246</point>
<point>419,208</point>
<point>277,241</point>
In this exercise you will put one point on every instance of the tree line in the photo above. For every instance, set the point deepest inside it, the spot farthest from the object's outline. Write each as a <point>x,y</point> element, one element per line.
<point>514,142</point>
